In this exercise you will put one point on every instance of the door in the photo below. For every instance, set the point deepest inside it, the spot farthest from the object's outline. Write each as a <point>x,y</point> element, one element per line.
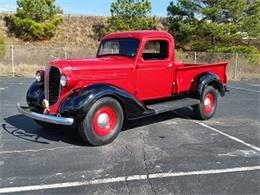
<point>154,71</point>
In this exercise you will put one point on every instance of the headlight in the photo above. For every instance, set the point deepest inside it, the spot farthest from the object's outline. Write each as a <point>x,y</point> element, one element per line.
<point>63,80</point>
<point>39,76</point>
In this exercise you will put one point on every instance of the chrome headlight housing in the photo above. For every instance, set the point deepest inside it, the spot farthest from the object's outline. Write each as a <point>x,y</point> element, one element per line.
<point>63,80</point>
<point>39,76</point>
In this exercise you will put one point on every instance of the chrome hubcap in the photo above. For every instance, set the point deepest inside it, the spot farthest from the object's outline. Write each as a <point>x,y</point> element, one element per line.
<point>103,120</point>
<point>207,102</point>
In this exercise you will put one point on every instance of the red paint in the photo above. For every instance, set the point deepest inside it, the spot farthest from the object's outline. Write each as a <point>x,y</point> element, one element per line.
<point>111,123</point>
<point>144,79</point>
<point>186,74</point>
<point>209,103</point>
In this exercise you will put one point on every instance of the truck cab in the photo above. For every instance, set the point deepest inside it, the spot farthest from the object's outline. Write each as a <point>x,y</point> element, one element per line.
<point>153,58</point>
<point>134,75</point>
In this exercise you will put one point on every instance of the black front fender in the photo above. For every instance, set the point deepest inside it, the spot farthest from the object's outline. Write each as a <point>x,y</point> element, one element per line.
<point>35,95</point>
<point>211,79</point>
<point>78,104</point>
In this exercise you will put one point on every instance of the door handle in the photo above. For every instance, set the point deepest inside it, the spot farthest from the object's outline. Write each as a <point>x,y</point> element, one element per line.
<point>169,65</point>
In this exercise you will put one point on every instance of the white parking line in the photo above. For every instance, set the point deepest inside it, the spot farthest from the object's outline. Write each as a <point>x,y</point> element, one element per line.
<point>254,85</point>
<point>229,136</point>
<point>243,89</point>
<point>126,179</point>
<point>221,132</point>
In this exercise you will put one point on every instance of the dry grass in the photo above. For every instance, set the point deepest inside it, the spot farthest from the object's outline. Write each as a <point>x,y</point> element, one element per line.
<point>250,76</point>
<point>248,65</point>
<point>20,70</point>
<point>75,31</point>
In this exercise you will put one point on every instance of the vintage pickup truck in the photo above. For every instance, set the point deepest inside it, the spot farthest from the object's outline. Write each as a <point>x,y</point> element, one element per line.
<point>134,75</point>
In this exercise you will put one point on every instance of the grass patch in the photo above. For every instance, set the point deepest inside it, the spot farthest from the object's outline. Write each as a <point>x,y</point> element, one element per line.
<point>24,70</point>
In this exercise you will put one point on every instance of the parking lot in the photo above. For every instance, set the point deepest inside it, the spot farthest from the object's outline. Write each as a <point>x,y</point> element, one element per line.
<point>166,154</point>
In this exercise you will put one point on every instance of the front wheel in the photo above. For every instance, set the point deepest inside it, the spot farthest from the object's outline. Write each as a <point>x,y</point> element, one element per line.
<point>207,108</point>
<point>103,122</point>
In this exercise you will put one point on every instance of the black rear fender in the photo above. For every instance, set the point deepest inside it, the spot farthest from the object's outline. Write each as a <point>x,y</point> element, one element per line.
<point>209,79</point>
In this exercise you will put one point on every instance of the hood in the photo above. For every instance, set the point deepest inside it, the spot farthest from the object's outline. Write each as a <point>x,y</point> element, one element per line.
<point>102,63</point>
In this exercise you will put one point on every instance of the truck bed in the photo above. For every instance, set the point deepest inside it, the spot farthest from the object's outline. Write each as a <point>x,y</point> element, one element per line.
<point>187,74</point>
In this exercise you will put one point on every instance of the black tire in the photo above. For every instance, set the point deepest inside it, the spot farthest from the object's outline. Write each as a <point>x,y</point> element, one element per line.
<point>203,112</point>
<point>91,131</point>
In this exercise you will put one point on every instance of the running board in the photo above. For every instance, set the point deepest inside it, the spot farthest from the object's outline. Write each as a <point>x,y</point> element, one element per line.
<point>172,105</point>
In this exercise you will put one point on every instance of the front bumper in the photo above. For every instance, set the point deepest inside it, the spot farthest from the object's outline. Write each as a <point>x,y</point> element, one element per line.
<point>226,89</point>
<point>45,118</point>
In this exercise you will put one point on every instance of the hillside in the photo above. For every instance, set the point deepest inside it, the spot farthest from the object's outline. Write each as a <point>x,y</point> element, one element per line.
<point>78,37</point>
<point>75,31</point>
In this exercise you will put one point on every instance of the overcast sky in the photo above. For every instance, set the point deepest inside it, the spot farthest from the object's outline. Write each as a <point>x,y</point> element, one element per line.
<point>90,7</point>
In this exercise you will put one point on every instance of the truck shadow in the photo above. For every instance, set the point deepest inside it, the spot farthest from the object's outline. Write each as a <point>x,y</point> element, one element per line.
<point>180,113</point>
<point>25,128</point>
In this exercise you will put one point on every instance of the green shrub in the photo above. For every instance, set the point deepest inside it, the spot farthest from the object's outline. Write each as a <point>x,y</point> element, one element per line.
<point>35,19</point>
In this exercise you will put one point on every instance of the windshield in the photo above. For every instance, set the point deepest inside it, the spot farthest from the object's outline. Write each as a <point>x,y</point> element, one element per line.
<point>124,47</point>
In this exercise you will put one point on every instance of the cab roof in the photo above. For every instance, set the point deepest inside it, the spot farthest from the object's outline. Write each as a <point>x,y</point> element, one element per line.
<point>139,35</point>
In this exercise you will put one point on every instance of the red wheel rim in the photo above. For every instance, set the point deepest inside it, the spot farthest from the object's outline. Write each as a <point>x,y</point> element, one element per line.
<point>104,121</point>
<point>209,103</point>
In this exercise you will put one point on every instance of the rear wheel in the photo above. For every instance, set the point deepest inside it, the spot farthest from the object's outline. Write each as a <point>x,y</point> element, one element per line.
<point>207,108</point>
<point>103,122</point>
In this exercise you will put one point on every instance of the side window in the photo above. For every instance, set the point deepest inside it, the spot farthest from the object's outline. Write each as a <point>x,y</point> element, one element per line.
<point>155,50</point>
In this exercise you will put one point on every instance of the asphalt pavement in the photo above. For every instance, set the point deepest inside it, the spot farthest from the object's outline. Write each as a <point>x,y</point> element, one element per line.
<point>171,153</point>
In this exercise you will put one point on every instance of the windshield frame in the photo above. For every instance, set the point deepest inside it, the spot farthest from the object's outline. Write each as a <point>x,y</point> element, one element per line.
<point>130,38</point>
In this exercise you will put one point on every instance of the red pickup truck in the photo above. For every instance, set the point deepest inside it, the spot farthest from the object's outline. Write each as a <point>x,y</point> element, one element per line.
<point>134,75</point>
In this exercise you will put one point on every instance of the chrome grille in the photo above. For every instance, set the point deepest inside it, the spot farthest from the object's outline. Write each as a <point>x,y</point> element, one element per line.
<point>53,85</point>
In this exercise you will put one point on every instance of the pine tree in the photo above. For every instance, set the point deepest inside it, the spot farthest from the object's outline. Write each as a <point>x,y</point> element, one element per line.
<point>35,19</point>
<point>215,25</point>
<point>131,15</point>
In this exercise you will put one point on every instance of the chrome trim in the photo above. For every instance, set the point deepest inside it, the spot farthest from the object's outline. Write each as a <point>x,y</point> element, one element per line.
<point>45,118</point>
<point>46,82</point>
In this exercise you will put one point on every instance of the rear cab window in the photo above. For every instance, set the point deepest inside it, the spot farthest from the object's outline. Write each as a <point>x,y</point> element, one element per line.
<point>156,50</point>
